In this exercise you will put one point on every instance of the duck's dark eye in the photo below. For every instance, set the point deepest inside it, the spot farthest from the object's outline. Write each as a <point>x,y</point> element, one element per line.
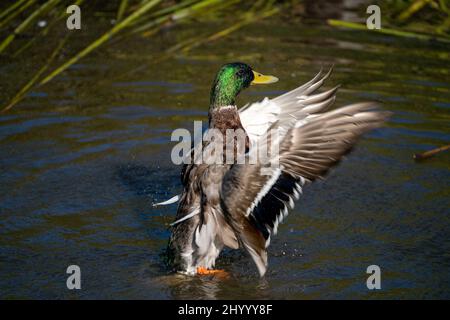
<point>240,73</point>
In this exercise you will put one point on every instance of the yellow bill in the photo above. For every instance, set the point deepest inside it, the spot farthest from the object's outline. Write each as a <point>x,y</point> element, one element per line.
<point>263,79</point>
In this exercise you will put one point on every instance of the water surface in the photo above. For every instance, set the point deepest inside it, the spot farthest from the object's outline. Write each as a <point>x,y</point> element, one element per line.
<point>83,158</point>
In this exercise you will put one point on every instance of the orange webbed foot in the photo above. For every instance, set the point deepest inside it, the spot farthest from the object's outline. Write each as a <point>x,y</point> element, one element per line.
<point>204,271</point>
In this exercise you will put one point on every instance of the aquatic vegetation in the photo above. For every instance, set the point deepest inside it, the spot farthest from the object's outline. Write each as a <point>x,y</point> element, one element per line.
<point>420,19</point>
<point>31,27</point>
<point>424,16</point>
<point>143,18</point>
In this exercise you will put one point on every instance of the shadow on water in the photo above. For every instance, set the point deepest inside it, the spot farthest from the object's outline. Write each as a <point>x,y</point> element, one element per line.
<point>145,181</point>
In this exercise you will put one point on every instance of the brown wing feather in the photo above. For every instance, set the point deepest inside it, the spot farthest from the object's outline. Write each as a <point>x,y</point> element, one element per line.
<point>254,203</point>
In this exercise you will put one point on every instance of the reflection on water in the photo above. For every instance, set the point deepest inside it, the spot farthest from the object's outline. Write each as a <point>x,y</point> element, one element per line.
<point>82,161</point>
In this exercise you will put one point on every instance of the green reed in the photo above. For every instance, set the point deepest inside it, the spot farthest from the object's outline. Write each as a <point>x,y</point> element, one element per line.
<point>143,18</point>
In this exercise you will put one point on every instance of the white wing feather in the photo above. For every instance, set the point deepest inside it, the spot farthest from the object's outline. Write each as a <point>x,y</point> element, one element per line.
<point>298,104</point>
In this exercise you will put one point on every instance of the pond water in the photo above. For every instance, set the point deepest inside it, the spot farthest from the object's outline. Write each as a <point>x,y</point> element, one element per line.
<point>83,158</point>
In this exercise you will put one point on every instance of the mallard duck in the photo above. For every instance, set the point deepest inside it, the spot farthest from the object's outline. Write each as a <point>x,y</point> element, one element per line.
<point>240,206</point>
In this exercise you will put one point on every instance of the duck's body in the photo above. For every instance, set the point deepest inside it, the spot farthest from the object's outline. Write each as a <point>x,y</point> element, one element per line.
<point>240,205</point>
<point>196,243</point>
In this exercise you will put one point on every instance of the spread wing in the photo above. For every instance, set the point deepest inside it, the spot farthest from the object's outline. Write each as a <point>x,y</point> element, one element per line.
<point>298,104</point>
<point>257,197</point>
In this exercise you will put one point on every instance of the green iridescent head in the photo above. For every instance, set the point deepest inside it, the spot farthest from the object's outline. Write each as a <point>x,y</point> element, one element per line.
<point>231,79</point>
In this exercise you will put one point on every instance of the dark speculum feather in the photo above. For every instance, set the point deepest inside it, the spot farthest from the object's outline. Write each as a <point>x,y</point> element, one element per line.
<point>273,203</point>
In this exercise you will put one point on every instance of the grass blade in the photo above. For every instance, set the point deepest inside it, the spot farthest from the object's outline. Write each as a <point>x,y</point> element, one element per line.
<point>412,9</point>
<point>105,37</point>
<point>48,5</point>
<point>44,32</point>
<point>392,32</point>
<point>16,13</point>
<point>19,96</point>
<point>122,7</point>
<point>11,8</point>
